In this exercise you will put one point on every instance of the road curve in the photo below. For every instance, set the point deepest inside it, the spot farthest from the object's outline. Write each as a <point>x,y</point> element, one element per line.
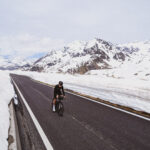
<point>85,125</point>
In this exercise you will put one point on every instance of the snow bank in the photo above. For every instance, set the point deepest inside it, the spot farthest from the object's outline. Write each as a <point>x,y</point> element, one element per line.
<point>129,92</point>
<point>6,93</point>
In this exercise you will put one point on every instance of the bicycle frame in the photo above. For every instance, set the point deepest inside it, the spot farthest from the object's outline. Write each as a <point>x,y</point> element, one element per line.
<point>59,106</point>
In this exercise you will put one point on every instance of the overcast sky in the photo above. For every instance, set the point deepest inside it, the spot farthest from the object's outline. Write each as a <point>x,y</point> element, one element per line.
<point>28,27</point>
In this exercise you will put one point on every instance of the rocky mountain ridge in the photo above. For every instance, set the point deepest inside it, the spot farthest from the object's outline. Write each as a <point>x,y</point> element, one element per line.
<point>14,63</point>
<point>80,57</point>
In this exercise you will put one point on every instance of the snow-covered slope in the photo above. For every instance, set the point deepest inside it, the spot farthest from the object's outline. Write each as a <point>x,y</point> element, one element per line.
<point>80,57</point>
<point>137,66</point>
<point>139,63</point>
<point>6,94</point>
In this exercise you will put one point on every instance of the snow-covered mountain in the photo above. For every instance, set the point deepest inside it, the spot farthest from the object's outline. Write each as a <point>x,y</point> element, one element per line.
<point>14,63</point>
<point>93,57</point>
<point>137,65</point>
<point>80,57</point>
<point>139,62</point>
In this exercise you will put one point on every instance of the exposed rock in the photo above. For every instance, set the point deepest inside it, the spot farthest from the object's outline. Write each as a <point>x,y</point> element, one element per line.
<point>119,56</point>
<point>37,68</point>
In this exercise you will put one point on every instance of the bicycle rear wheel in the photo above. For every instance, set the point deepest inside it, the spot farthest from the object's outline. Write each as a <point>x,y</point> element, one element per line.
<point>60,109</point>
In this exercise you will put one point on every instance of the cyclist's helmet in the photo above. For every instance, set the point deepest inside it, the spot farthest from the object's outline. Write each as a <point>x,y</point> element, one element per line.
<point>61,83</point>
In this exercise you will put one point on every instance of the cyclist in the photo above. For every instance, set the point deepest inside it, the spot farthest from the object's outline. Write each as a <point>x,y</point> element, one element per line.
<point>58,91</point>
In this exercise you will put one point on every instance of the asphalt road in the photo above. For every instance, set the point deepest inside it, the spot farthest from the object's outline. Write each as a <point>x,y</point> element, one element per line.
<point>85,125</point>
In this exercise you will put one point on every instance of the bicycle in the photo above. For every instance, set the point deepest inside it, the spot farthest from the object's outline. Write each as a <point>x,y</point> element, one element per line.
<point>59,107</point>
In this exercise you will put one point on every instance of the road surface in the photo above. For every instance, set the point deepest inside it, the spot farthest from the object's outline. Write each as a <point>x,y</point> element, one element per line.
<point>85,125</point>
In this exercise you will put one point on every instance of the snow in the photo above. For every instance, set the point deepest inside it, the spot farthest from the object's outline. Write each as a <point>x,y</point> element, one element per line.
<point>127,83</point>
<point>6,93</point>
<point>77,46</point>
<point>130,92</point>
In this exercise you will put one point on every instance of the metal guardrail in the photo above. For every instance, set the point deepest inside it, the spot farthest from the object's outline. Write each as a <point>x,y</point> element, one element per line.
<point>13,138</point>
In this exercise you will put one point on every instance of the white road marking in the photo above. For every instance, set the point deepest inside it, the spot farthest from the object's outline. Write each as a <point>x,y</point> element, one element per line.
<point>148,119</point>
<point>133,114</point>
<point>39,128</point>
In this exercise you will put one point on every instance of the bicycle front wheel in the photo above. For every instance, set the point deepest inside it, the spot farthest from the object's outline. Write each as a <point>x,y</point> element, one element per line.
<point>60,109</point>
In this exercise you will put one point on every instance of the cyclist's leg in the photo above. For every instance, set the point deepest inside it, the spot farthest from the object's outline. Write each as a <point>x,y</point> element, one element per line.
<point>54,102</point>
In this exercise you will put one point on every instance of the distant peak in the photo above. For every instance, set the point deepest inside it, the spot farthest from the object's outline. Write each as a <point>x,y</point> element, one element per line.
<point>103,41</point>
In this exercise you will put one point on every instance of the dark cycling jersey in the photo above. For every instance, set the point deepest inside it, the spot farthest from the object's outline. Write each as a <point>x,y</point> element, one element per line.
<point>58,91</point>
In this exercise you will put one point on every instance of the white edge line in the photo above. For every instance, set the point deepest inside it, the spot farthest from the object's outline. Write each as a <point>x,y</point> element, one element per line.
<point>142,117</point>
<point>113,107</point>
<point>39,128</point>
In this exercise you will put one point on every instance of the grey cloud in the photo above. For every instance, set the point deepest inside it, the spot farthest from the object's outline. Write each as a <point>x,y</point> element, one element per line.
<point>113,20</point>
